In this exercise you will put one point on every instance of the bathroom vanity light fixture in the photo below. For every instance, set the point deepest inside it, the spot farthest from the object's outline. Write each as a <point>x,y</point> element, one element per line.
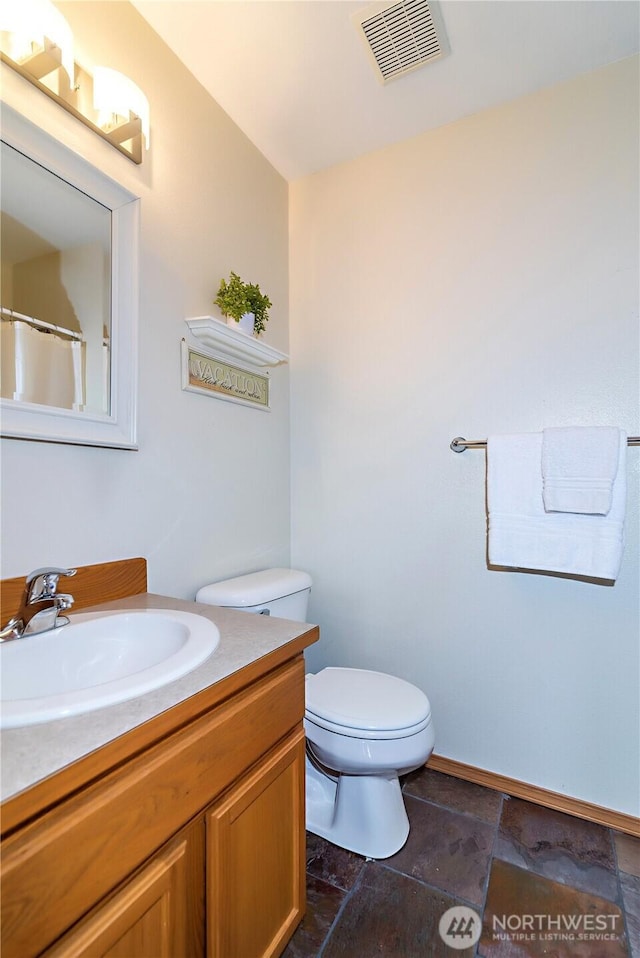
<point>36,42</point>
<point>35,31</point>
<point>123,109</point>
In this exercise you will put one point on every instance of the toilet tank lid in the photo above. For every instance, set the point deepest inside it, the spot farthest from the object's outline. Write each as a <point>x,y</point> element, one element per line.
<point>257,588</point>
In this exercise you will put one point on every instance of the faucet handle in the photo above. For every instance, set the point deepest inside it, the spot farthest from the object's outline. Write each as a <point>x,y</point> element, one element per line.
<point>43,583</point>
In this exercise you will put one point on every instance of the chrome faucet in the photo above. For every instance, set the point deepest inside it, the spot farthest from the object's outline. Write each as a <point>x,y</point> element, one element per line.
<point>40,605</point>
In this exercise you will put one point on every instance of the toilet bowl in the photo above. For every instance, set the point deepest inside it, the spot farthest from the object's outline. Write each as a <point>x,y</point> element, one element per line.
<point>364,729</point>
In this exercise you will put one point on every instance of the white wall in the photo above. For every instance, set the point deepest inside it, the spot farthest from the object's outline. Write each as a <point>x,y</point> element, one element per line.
<point>207,495</point>
<point>481,278</point>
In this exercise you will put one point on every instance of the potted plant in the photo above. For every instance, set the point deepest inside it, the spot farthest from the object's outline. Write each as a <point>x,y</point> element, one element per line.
<point>236,299</point>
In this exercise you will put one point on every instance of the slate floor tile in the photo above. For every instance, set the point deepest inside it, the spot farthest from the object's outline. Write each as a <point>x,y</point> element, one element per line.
<point>446,849</point>
<point>323,904</point>
<point>557,846</point>
<point>475,847</point>
<point>529,916</point>
<point>332,864</point>
<point>389,915</point>
<point>630,886</point>
<point>454,793</point>
<point>628,852</point>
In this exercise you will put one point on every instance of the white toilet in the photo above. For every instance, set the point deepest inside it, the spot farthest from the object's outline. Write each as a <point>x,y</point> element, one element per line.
<point>363,728</point>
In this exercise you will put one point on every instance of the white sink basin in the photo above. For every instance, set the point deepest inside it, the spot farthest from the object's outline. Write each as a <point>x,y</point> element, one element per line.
<point>98,659</point>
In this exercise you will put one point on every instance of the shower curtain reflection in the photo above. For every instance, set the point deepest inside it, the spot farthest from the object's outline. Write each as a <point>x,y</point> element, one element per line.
<point>42,366</point>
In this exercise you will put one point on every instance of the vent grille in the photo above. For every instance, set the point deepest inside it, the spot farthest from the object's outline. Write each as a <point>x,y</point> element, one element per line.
<point>401,37</point>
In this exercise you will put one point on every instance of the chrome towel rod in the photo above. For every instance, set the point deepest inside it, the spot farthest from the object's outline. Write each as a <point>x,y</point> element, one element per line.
<point>459,444</point>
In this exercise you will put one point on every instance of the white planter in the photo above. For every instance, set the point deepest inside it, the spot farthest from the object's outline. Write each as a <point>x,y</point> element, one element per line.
<point>244,324</point>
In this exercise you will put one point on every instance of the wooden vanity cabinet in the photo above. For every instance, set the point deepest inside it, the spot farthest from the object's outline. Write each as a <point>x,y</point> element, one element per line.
<point>193,847</point>
<point>159,912</point>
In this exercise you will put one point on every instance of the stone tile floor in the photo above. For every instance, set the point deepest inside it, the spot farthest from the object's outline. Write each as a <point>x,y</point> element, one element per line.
<point>542,882</point>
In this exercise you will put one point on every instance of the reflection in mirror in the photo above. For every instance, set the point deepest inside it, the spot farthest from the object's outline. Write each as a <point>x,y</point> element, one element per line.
<point>55,244</point>
<point>68,296</point>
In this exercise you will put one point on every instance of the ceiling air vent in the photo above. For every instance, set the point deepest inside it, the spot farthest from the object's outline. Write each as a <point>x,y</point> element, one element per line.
<point>402,36</point>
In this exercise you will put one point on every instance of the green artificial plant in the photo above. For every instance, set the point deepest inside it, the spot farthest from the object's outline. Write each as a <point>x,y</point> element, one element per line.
<point>235,298</point>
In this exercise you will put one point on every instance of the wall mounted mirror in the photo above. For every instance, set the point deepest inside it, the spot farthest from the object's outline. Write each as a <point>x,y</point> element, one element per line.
<point>69,294</point>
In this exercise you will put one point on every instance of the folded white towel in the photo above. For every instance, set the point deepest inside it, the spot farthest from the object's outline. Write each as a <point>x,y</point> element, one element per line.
<point>579,466</point>
<point>522,535</point>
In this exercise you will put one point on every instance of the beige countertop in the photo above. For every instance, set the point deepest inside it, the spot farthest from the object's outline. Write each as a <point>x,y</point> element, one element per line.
<point>35,752</point>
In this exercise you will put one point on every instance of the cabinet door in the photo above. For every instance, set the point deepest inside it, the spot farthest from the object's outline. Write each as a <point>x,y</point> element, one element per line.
<point>256,858</point>
<point>158,914</point>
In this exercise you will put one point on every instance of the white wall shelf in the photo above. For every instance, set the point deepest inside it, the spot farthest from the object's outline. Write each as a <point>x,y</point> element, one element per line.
<point>230,344</point>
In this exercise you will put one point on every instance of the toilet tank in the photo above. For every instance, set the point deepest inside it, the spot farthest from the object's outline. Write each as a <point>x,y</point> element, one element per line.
<point>280,592</point>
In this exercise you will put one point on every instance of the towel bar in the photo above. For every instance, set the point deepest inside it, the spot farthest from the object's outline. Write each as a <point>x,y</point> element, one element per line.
<point>459,444</point>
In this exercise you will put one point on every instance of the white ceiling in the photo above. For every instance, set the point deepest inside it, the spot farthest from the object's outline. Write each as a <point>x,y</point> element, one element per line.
<point>295,77</point>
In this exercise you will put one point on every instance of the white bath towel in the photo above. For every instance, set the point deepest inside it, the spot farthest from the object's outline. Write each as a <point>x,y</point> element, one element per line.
<point>579,466</point>
<point>522,535</point>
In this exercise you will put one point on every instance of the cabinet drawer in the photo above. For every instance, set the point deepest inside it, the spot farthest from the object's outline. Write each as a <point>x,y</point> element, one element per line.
<point>57,868</point>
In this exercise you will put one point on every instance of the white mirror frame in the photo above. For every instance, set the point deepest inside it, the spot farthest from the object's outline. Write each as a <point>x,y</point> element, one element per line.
<point>21,420</point>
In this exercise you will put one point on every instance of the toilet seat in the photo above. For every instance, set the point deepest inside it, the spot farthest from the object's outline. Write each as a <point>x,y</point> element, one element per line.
<point>365,704</point>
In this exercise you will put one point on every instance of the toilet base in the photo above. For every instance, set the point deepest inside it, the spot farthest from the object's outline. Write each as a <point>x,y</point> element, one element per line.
<point>362,813</point>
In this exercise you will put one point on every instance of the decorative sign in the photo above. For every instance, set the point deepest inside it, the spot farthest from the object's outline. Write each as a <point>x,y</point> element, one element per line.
<point>204,373</point>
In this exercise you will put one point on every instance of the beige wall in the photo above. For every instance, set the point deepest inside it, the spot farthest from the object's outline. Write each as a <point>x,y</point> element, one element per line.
<point>86,278</point>
<point>192,500</point>
<point>481,278</point>
<point>6,285</point>
<point>38,291</point>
